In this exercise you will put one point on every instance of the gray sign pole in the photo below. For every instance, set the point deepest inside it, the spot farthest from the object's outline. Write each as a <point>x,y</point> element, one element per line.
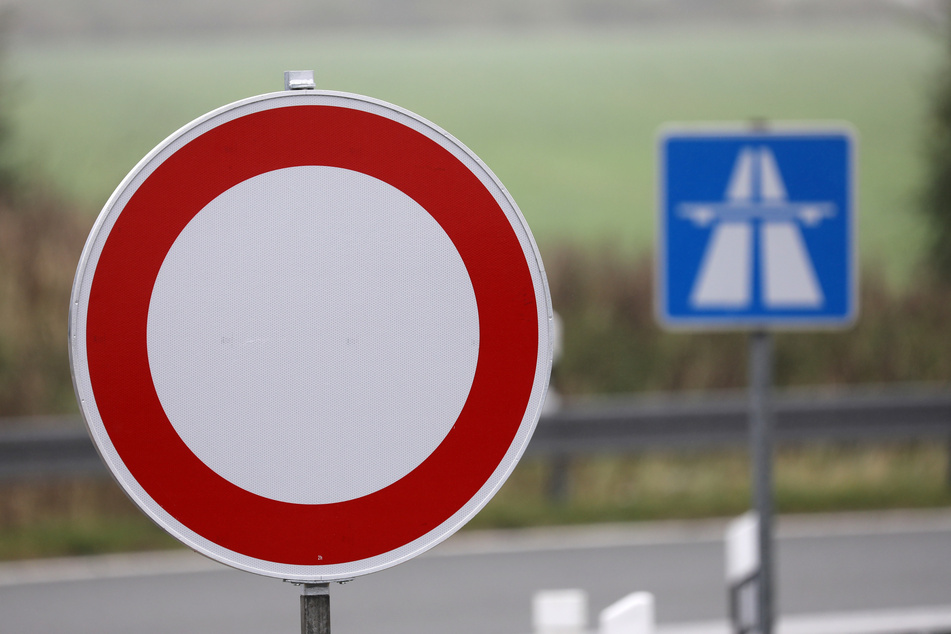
<point>315,609</point>
<point>761,450</point>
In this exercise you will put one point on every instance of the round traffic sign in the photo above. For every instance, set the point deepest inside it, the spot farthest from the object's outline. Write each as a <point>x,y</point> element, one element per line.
<point>310,335</point>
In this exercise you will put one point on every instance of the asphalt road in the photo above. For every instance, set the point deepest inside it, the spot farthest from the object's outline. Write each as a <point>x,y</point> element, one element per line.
<point>483,582</point>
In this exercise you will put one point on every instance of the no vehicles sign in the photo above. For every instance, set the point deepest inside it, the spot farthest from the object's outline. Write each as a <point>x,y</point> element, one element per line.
<point>310,335</point>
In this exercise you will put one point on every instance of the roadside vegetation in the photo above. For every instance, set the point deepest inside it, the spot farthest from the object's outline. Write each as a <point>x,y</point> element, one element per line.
<point>611,344</point>
<point>690,485</point>
<point>40,239</point>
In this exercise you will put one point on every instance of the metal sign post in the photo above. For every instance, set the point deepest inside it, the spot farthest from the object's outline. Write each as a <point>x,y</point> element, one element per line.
<point>315,608</point>
<point>761,450</point>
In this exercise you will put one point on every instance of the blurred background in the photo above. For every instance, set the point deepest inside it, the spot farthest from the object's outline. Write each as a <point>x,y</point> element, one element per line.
<point>562,99</point>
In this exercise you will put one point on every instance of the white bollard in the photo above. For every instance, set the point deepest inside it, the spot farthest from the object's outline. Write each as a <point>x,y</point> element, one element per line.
<point>742,548</point>
<point>634,614</point>
<point>560,612</point>
<point>742,572</point>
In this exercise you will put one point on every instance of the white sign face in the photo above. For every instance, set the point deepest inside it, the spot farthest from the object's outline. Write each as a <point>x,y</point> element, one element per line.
<point>310,335</point>
<point>385,270</point>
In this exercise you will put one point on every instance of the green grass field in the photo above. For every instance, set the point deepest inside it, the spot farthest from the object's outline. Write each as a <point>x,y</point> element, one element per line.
<point>566,120</point>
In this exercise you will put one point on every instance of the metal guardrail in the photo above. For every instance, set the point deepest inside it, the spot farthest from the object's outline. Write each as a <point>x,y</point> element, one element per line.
<point>60,446</point>
<point>697,421</point>
<point>684,420</point>
<point>47,446</point>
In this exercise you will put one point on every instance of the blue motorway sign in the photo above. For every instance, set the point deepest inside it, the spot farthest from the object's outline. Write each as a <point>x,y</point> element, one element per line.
<point>756,229</point>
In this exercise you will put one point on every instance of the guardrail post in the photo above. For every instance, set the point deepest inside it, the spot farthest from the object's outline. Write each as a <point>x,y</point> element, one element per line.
<point>947,468</point>
<point>558,468</point>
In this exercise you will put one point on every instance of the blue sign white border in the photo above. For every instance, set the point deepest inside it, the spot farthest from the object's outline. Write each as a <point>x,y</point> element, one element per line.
<point>733,322</point>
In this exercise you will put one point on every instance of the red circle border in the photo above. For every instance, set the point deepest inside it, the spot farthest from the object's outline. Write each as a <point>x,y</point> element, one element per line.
<point>117,355</point>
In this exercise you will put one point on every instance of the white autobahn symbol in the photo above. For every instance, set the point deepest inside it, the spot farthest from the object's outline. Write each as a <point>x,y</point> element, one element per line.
<point>756,207</point>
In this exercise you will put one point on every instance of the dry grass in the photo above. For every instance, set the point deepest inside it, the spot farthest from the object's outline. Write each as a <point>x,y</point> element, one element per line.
<point>40,244</point>
<point>72,517</point>
<point>662,485</point>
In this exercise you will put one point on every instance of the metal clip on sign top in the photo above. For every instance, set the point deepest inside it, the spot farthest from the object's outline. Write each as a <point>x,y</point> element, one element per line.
<point>299,80</point>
